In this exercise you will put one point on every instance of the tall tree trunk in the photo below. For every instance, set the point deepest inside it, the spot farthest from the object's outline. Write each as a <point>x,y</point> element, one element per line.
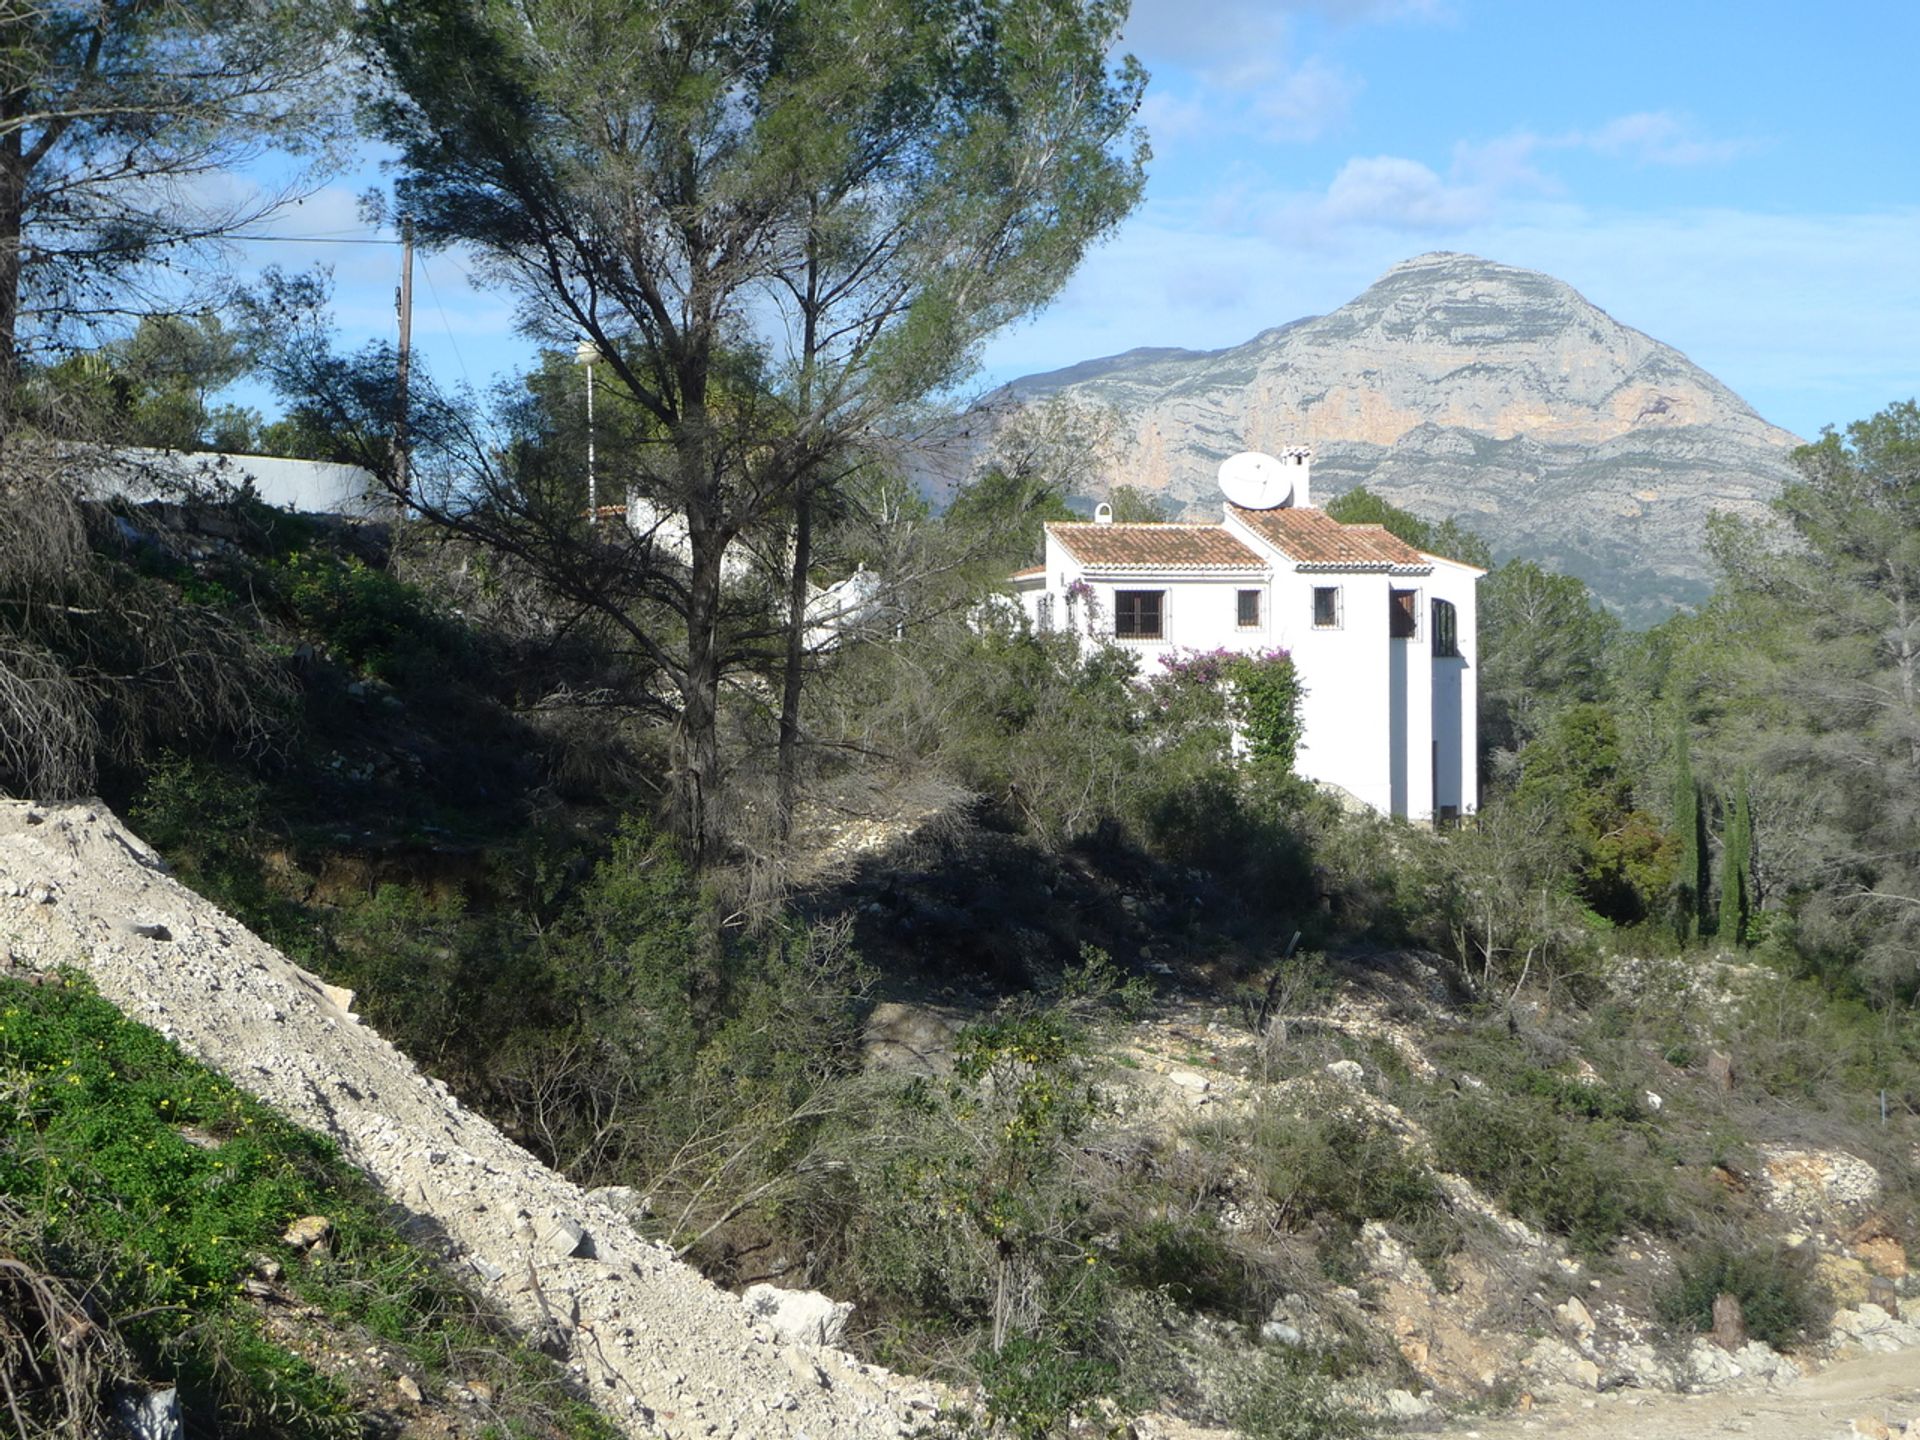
<point>794,677</point>
<point>13,189</point>
<point>697,757</point>
<point>697,767</point>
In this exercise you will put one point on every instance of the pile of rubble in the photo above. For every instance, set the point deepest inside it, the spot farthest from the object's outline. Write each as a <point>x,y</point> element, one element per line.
<point>657,1347</point>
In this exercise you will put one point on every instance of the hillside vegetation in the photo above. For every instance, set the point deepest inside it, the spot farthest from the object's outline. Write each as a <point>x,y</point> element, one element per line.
<point>756,861</point>
<point>1086,906</point>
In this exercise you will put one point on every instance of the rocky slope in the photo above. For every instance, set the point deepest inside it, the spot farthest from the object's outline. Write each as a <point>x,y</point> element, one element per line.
<point>664,1353</point>
<point>1456,386</point>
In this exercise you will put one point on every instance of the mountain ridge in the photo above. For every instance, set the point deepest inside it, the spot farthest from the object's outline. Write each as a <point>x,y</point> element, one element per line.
<point>1462,388</point>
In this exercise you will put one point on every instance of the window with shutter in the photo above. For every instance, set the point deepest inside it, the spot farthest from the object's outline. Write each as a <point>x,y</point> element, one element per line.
<point>1137,614</point>
<point>1446,629</point>
<point>1402,614</point>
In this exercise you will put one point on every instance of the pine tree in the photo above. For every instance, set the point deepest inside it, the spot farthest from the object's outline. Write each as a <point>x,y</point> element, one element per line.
<point>1686,826</point>
<point>1736,869</point>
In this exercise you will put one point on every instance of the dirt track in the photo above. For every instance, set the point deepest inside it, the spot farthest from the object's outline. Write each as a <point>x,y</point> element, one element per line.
<point>1819,1407</point>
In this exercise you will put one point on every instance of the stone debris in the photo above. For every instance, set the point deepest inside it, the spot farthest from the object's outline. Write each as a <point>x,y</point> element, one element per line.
<point>151,1414</point>
<point>1348,1072</point>
<point>1817,1184</point>
<point>309,1232</point>
<point>1873,1329</point>
<point>802,1317</point>
<point>647,1336</point>
<point>625,1201</point>
<point>1575,1318</point>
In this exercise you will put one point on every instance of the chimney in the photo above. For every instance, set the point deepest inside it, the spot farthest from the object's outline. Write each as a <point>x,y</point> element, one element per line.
<point>1299,459</point>
<point>1103,514</point>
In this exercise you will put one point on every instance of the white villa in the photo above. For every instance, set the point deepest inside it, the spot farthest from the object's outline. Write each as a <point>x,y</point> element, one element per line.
<point>1383,635</point>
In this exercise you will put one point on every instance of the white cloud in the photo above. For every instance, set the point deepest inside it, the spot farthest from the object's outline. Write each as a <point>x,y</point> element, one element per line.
<point>1401,194</point>
<point>1171,117</point>
<point>1259,100</point>
<point>1307,101</point>
<point>1659,137</point>
<point>1221,33</point>
<point>1483,181</point>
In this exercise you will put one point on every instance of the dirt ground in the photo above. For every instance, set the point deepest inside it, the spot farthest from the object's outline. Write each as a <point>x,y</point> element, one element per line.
<point>1884,1388</point>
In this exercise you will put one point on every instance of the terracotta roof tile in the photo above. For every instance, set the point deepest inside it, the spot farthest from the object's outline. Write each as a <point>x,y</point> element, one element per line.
<point>1156,546</point>
<point>1315,538</point>
<point>1032,572</point>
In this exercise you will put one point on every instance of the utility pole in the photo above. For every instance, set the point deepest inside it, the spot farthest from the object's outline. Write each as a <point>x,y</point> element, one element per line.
<point>402,447</point>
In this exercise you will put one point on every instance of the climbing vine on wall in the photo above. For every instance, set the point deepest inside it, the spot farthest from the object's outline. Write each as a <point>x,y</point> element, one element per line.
<point>1266,704</point>
<point>1263,693</point>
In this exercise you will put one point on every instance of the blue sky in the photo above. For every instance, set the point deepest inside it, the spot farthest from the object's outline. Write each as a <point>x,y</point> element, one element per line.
<point>1737,180</point>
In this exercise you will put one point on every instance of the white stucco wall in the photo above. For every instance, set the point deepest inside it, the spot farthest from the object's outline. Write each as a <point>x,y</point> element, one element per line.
<point>1345,730</point>
<point>314,486</point>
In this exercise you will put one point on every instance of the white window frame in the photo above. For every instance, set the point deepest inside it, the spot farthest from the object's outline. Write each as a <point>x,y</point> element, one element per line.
<point>1339,621</point>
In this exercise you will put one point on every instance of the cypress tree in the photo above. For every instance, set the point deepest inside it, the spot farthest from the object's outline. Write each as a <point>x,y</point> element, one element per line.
<point>1686,827</point>
<point>1736,868</point>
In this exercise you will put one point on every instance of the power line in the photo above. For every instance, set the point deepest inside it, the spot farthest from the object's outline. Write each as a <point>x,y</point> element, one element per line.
<point>320,239</point>
<point>445,324</point>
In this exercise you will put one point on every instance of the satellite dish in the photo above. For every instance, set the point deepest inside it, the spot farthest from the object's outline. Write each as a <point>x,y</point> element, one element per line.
<point>1254,481</point>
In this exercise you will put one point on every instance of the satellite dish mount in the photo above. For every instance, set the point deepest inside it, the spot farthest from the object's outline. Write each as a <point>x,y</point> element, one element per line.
<point>1254,481</point>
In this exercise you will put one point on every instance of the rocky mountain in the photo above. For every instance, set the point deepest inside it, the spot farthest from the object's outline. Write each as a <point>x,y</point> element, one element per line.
<point>1459,387</point>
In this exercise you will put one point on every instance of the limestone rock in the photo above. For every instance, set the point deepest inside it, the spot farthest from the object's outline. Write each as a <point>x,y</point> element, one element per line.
<point>569,1239</point>
<point>309,1232</point>
<point>1729,1323</point>
<point>1873,1329</point>
<point>625,1201</point>
<point>1818,1184</point>
<point>1575,1318</point>
<point>1846,1280</point>
<point>1349,1072</point>
<point>1404,1405</point>
<point>151,1414</point>
<point>804,1317</point>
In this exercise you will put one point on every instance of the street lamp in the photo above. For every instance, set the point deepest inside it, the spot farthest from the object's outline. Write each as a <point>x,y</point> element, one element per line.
<point>586,353</point>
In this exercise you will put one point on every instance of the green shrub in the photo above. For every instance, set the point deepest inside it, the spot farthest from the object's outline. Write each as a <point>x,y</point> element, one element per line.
<point>366,618</point>
<point>1282,1397</point>
<point>1191,1261</point>
<point>1591,1181</point>
<point>1774,1285</point>
<point>1341,1167</point>
<point>155,1182</point>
